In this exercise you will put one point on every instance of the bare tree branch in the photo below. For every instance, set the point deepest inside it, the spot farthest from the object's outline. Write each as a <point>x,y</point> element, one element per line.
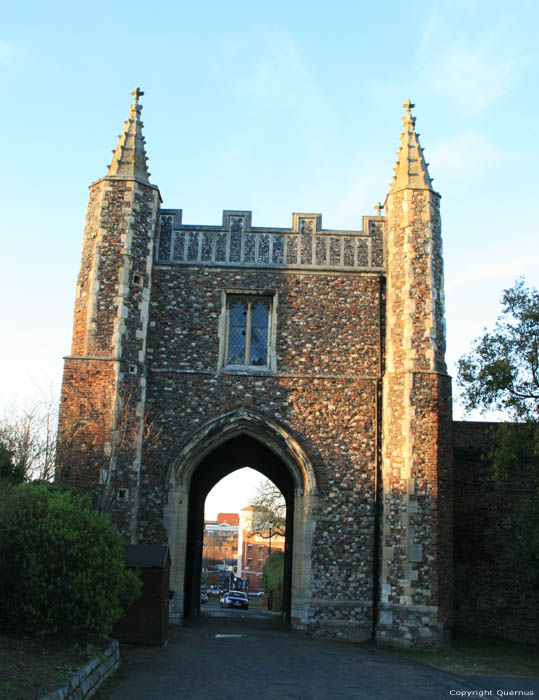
<point>29,432</point>
<point>269,514</point>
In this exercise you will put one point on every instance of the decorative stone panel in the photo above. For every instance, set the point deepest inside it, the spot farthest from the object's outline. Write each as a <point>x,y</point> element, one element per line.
<point>237,243</point>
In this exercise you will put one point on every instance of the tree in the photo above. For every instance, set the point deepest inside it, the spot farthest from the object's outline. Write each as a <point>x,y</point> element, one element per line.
<point>61,564</point>
<point>29,433</point>
<point>272,580</point>
<point>219,548</point>
<point>9,472</point>
<point>502,372</point>
<point>269,510</point>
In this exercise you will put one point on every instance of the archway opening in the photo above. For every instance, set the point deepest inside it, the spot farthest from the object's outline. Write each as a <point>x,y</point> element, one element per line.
<point>244,526</point>
<point>235,453</point>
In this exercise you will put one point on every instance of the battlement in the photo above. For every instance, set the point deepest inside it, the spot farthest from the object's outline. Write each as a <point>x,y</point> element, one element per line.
<point>237,243</point>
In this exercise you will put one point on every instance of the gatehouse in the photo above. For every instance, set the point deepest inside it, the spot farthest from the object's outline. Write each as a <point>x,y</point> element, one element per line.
<point>314,355</point>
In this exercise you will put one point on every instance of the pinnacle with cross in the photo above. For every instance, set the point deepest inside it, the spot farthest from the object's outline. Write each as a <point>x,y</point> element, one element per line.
<point>137,92</point>
<point>129,156</point>
<point>379,208</point>
<point>411,169</point>
<point>408,105</point>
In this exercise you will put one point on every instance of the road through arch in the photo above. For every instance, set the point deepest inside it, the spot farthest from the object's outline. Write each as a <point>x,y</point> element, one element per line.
<point>240,439</point>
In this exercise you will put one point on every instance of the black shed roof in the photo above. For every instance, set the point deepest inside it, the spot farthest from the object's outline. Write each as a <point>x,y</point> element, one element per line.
<point>146,556</point>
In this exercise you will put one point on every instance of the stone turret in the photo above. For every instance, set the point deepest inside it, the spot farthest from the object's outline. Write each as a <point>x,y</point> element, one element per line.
<point>104,388</point>
<point>416,568</point>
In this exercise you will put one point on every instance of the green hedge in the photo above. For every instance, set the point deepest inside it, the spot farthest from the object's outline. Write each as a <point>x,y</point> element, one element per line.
<point>273,573</point>
<point>10,473</point>
<point>61,564</point>
<point>273,577</point>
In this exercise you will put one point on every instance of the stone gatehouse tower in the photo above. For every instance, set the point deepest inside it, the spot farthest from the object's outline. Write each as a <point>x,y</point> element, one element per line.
<point>313,355</point>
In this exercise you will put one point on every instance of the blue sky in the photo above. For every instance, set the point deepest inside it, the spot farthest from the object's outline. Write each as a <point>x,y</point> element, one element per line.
<point>271,106</point>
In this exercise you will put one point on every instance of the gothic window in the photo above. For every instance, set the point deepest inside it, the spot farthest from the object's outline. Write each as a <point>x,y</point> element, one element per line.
<point>248,330</point>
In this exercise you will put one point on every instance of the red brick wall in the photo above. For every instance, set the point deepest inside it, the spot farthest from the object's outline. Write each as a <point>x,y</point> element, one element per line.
<point>258,553</point>
<point>230,518</point>
<point>85,421</point>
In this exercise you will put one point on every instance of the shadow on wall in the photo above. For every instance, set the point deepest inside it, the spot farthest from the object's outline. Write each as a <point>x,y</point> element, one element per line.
<point>492,595</point>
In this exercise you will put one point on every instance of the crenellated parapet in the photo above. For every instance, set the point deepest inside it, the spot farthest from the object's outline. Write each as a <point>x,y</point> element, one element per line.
<point>305,245</point>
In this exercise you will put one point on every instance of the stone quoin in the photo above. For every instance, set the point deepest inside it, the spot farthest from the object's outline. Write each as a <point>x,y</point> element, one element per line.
<point>313,355</point>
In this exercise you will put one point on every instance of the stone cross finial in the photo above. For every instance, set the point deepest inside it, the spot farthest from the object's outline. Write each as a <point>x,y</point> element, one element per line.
<point>408,105</point>
<point>137,92</point>
<point>379,208</point>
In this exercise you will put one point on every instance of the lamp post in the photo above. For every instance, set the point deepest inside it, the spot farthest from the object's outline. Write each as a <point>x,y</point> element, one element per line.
<point>270,525</point>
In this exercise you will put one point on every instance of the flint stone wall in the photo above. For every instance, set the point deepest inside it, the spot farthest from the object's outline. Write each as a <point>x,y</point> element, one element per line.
<point>324,392</point>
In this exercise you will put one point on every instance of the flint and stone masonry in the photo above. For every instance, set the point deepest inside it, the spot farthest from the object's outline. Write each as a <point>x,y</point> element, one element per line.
<point>317,352</point>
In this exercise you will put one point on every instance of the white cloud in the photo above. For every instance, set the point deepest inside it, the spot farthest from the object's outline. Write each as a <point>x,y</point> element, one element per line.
<point>500,267</point>
<point>474,77</point>
<point>363,194</point>
<point>265,66</point>
<point>281,66</point>
<point>471,57</point>
<point>277,81</point>
<point>465,152</point>
<point>7,51</point>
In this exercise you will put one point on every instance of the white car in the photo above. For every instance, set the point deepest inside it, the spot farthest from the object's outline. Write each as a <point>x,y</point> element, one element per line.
<point>235,599</point>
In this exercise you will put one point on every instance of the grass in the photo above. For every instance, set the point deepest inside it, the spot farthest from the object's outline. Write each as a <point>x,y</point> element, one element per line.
<point>473,655</point>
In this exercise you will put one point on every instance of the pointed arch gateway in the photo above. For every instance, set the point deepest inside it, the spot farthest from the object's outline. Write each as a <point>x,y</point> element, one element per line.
<point>241,438</point>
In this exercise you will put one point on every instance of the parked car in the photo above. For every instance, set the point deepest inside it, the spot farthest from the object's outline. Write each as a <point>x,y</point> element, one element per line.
<point>235,599</point>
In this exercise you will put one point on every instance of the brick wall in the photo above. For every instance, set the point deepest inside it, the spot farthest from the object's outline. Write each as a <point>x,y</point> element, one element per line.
<point>491,596</point>
<point>84,439</point>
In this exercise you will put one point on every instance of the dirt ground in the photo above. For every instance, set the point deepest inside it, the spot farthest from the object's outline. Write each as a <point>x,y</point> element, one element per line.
<point>31,668</point>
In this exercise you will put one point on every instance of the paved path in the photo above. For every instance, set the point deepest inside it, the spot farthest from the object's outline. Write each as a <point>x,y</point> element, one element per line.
<point>233,655</point>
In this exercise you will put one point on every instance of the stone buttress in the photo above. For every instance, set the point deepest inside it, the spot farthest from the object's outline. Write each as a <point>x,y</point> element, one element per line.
<point>102,411</point>
<point>416,561</point>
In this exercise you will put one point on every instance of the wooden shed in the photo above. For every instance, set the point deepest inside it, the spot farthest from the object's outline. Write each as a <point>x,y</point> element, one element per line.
<point>146,620</point>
